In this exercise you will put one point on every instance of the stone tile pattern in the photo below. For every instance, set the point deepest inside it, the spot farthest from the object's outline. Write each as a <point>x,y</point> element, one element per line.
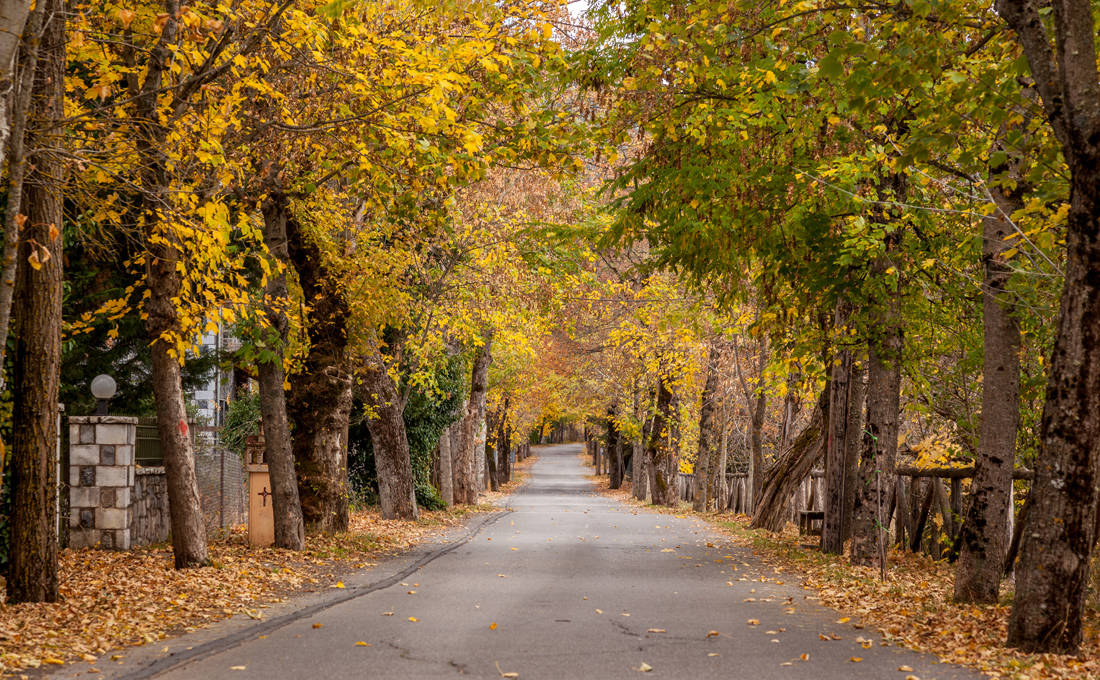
<point>101,479</point>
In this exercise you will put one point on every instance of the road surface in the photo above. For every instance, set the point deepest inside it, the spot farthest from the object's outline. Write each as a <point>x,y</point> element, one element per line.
<point>566,584</point>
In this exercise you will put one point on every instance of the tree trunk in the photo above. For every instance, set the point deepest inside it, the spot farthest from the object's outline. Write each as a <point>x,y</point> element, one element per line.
<point>446,480</point>
<point>32,568</point>
<point>707,431</point>
<point>772,511</point>
<point>504,446</point>
<point>13,17</point>
<point>467,481</point>
<point>853,438</point>
<point>319,403</point>
<point>1052,574</point>
<point>657,452</point>
<point>396,489</point>
<point>614,452</point>
<point>716,482</point>
<point>832,533</point>
<point>285,505</point>
<point>984,536</point>
<point>756,466</point>
<point>162,322</point>
<point>880,445</point>
<point>462,483</point>
<point>16,107</point>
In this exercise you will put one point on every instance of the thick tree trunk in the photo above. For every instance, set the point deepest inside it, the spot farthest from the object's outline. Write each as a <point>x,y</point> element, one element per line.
<point>772,510</point>
<point>396,489</point>
<point>285,505</point>
<point>878,460</point>
<point>467,480</point>
<point>836,475</point>
<point>319,403</point>
<point>614,452</point>
<point>446,480</point>
<point>657,452</point>
<point>853,438</point>
<point>461,451</point>
<point>162,321</point>
<point>984,536</point>
<point>707,438</point>
<point>32,567</point>
<point>1053,572</point>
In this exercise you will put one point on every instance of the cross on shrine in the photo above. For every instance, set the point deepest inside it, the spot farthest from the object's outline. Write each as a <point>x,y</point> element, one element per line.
<point>265,493</point>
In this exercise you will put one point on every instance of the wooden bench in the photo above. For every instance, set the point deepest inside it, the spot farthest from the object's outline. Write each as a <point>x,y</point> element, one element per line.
<point>810,522</point>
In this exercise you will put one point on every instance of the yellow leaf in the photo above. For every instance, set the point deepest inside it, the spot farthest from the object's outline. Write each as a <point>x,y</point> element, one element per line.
<point>844,619</point>
<point>413,619</point>
<point>317,625</point>
<point>753,622</point>
<point>855,659</point>
<point>339,584</point>
<point>237,668</point>
<point>645,668</point>
<point>362,644</point>
<point>52,661</point>
<point>493,625</point>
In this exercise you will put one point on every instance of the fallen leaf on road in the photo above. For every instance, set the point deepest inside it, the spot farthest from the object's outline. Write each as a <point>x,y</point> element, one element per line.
<point>844,619</point>
<point>413,619</point>
<point>645,668</point>
<point>753,622</point>
<point>509,674</point>
<point>338,584</point>
<point>236,668</point>
<point>656,630</point>
<point>712,633</point>
<point>905,669</point>
<point>625,614</point>
<point>712,653</point>
<point>804,657</point>
<point>387,613</point>
<point>318,625</point>
<point>599,611</point>
<point>362,644</point>
<point>855,659</point>
<point>493,625</point>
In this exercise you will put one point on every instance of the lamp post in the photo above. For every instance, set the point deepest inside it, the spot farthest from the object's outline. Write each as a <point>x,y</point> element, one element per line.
<point>103,388</point>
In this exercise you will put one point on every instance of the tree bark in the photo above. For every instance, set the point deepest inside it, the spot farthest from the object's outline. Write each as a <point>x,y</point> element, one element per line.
<point>13,19</point>
<point>32,569</point>
<point>614,452</point>
<point>396,488</point>
<point>853,437</point>
<point>984,536</point>
<point>832,533</point>
<point>878,459</point>
<point>16,107</point>
<point>467,480</point>
<point>707,431</point>
<point>446,481</point>
<point>1053,571</point>
<point>271,377</point>
<point>772,510</point>
<point>657,452</point>
<point>319,403</point>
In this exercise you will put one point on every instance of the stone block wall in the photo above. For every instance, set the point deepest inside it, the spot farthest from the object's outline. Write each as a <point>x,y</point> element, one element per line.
<point>101,479</point>
<point>149,507</point>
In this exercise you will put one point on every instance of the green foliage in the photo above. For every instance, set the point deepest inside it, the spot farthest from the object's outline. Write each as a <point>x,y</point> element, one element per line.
<point>427,413</point>
<point>241,422</point>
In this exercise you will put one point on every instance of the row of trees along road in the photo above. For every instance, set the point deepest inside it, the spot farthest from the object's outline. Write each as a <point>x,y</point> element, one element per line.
<point>875,182</point>
<point>316,176</point>
<point>823,229</point>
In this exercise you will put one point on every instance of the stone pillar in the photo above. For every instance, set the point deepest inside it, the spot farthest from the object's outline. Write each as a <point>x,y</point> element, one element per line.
<point>101,479</point>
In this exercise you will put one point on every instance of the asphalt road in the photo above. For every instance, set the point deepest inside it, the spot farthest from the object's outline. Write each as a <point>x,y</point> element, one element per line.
<point>568,584</point>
